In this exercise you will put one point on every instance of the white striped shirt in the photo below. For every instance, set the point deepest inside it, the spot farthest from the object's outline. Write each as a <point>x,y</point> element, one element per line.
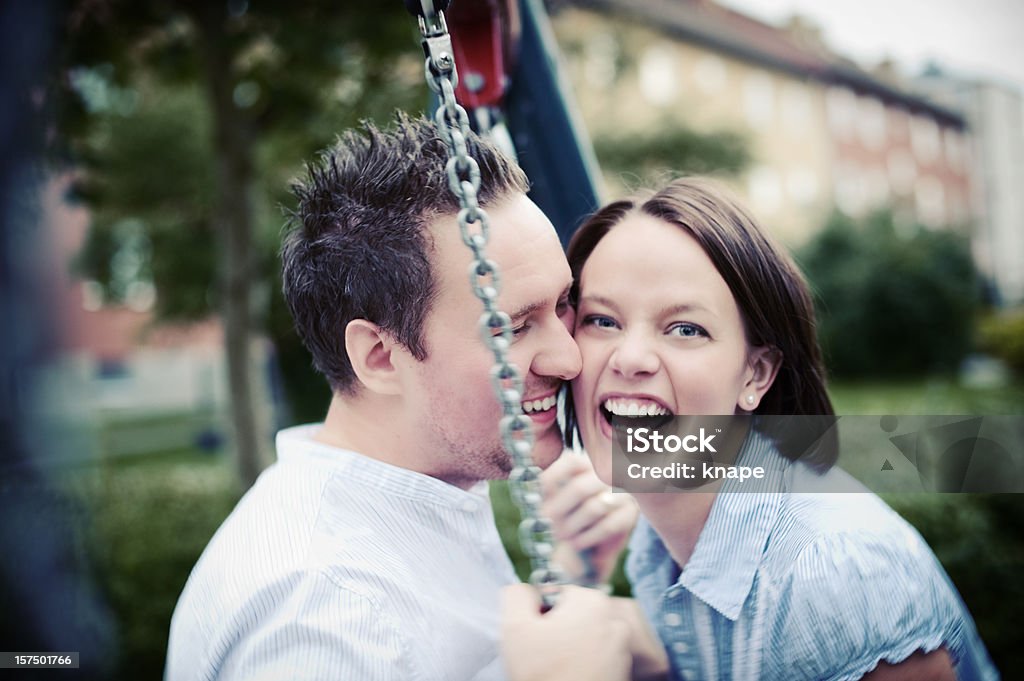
<point>794,586</point>
<point>338,566</point>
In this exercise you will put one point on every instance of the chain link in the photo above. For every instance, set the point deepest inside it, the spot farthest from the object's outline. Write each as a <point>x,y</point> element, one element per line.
<point>516,429</point>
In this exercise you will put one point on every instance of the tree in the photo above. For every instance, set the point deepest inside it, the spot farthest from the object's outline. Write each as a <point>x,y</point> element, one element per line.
<point>673,150</point>
<point>189,116</point>
<point>891,302</point>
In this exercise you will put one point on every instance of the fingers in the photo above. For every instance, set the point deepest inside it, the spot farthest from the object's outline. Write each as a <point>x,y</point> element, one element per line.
<point>585,605</point>
<point>563,496</point>
<point>519,602</point>
<point>565,467</point>
<point>579,638</point>
<point>599,505</point>
<point>613,524</point>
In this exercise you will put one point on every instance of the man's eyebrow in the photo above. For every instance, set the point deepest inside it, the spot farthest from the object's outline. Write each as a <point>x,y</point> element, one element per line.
<point>530,308</point>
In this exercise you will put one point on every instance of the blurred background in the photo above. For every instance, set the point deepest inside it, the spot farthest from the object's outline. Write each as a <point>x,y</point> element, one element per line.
<point>148,150</point>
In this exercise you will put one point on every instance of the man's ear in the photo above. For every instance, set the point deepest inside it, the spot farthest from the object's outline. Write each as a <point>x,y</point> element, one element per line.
<point>371,352</point>
<point>763,364</point>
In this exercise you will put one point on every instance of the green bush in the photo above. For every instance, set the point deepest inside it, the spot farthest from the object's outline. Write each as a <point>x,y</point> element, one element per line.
<point>150,522</point>
<point>1003,336</point>
<point>891,302</point>
<point>979,539</point>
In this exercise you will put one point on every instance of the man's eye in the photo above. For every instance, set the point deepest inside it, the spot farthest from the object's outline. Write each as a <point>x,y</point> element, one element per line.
<point>515,331</point>
<point>519,330</point>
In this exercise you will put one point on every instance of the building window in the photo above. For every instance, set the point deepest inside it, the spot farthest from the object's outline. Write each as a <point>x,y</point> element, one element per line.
<point>954,149</point>
<point>850,189</point>
<point>902,171</point>
<point>841,105</point>
<point>899,123</point>
<point>958,212</point>
<point>709,74</point>
<point>765,188</point>
<point>796,106</point>
<point>802,185</point>
<point>871,122</point>
<point>658,83</point>
<point>924,138</point>
<point>877,187</point>
<point>758,99</point>
<point>930,202</point>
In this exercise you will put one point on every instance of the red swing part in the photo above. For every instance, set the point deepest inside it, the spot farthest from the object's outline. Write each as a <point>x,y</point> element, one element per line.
<point>485,39</point>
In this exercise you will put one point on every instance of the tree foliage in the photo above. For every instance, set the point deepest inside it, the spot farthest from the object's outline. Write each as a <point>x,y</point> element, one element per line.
<point>672,151</point>
<point>891,301</point>
<point>188,120</point>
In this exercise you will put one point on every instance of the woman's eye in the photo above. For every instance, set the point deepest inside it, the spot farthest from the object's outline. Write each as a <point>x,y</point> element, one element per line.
<point>599,321</point>
<point>686,330</point>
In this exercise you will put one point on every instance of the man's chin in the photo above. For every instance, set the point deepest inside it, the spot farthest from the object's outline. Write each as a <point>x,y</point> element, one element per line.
<point>546,450</point>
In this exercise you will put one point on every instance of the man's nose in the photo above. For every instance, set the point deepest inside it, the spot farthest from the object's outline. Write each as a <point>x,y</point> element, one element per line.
<point>559,355</point>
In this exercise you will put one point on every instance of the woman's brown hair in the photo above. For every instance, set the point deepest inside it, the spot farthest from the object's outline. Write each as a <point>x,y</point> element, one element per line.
<point>771,294</point>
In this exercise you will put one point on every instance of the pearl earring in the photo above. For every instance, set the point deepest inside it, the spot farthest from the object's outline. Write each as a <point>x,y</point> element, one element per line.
<point>750,400</point>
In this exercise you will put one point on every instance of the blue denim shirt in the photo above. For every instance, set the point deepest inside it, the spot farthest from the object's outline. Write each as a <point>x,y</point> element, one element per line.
<point>800,585</point>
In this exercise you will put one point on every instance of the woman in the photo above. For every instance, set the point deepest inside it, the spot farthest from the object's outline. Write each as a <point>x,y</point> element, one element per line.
<point>684,306</point>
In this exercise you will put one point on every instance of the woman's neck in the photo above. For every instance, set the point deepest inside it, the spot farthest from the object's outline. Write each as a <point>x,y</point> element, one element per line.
<point>678,518</point>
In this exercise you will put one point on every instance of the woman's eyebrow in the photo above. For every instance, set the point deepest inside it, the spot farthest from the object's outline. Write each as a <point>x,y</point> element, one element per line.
<point>599,300</point>
<point>679,308</point>
<point>683,308</point>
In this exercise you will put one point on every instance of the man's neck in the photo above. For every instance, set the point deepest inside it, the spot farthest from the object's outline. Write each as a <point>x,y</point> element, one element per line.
<point>357,425</point>
<point>367,426</point>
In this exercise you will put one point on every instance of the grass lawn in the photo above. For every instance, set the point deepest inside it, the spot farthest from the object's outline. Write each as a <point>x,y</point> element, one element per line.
<point>934,396</point>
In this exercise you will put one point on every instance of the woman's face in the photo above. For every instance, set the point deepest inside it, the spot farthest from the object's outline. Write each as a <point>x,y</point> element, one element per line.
<point>659,332</point>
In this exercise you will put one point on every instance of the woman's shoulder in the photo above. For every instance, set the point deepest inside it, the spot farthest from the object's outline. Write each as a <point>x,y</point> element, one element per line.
<point>855,581</point>
<point>847,543</point>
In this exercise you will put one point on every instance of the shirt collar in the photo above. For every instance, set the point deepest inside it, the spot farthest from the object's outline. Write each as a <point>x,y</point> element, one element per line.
<point>728,552</point>
<point>297,444</point>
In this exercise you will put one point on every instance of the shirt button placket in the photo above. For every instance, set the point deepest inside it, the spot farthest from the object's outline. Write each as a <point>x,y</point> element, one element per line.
<point>675,633</point>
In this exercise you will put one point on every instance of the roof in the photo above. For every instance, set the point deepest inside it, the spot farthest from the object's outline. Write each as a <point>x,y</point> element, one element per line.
<point>722,29</point>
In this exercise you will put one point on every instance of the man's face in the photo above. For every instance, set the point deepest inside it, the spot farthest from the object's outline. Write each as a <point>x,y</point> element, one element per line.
<point>456,411</point>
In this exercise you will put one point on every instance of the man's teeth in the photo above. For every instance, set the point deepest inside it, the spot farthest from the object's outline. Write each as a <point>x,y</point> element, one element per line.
<point>632,408</point>
<point>532,406</point>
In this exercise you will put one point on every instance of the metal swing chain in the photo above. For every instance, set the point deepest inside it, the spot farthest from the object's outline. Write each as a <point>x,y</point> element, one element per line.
<point>495,326</point>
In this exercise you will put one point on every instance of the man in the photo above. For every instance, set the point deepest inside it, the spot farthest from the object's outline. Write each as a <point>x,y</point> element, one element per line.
<point>369,551</point>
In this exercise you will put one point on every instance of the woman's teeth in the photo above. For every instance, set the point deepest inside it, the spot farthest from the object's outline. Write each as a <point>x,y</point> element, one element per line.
<point>622,407</point>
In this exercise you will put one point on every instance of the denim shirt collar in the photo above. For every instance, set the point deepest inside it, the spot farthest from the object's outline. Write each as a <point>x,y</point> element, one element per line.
<point>728,552</point>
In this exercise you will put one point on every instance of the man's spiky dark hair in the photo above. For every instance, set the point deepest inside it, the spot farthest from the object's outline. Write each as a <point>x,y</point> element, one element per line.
<point>358,245</point>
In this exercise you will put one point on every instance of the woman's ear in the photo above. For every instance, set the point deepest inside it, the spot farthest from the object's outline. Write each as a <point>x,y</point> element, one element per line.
<point>371,351</point>
<point>763,364</point>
